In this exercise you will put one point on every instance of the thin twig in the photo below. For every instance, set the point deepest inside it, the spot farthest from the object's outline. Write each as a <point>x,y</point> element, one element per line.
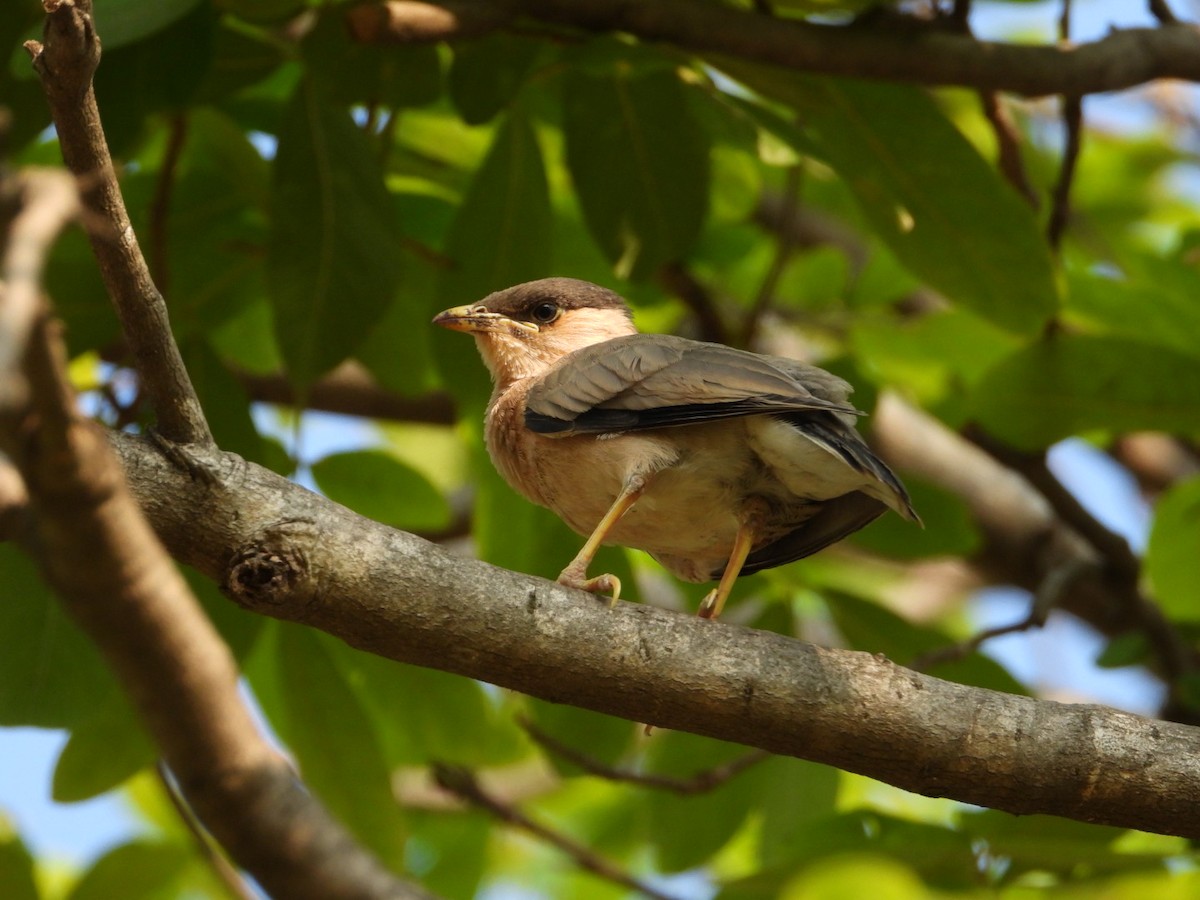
<point>160,206</point>
<point>1161,11</point>
<point>1121,564</point>
<point>700,783</point>
<point>462,783</point>
<point>1045,599</point>
<point>66,62</point>
<point>226,873</point>
<point>1072,116</point>
<point>1008,145</point>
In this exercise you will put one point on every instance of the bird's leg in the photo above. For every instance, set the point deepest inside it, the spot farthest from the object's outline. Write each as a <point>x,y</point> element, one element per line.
<point>575,574</point>
<point>751,521</point>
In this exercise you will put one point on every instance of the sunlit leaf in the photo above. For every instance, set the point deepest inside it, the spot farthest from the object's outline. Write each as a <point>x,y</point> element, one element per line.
<point>377,485</point>
<point>1071,384</point>
<point>947,214</point>
<point>103,751</point>
<point>1171,554</point>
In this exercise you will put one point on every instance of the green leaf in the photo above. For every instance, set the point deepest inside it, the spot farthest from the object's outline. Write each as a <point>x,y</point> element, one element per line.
<point>225,402</point>
<point>487,74</point>
<point>159,72</point>
<point>502,233</point>
<point>447,852</point>
<point>602,738</point>
<point>922,187</point>
<point>794,794</point>
<point>139,870</point>
<point>869,626</point>
<point>949,527</point>
<point>336,744</point>
<point>1073,383</point>
<point>639,161</point>
<point>501,236</point>
<point>424,715</point>
<point>1171,553</point>
<point>217,224</point>
<point>1051,844</point>
<point>333,245</point>
<point>16,867</point>
<point>688,829</point>
<point>369,74</point>
<point>375,484</point>
<point>1149,310</point>
<point>1129,649</point>
<point>103,751</point>
<point>50,674</point>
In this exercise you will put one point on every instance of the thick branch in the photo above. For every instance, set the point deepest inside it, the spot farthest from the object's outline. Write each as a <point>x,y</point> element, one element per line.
<point>896,48</point>
<point>132,601</point>
<point>291,554</point>
<point>66,63</point>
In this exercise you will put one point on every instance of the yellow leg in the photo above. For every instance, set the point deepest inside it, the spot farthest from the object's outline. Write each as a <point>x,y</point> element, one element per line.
<point>575,574</point>
<point>714,601</point>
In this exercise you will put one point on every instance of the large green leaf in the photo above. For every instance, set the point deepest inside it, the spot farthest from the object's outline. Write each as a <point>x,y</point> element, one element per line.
<point>687,829</point>
<point>377,485</point>
<point>369,74</point>
<point>487,73</point>
<point>1171,554</point>
<point>1070,384</point>
<point>50,674</point>
<point>947,214</point>
<point>333,245</point>
<point>217,223</point>
<point>501,236</point>
<point>424,715</point>
<point>502,233</point>
<point>1150,311</point>
<point>336,743</point>
<point>639,161</point>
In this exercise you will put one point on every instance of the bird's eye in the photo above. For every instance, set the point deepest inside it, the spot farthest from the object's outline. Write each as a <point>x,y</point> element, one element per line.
<point>545,313</point>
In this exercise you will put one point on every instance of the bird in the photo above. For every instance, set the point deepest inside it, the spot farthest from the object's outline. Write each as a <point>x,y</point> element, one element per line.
<point>716,461</point>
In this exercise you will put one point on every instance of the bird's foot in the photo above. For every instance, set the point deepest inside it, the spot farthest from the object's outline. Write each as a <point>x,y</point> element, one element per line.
<point>712,604</point>
<point>601,584</point>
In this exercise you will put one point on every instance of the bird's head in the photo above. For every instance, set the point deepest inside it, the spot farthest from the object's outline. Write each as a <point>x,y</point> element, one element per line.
<point>525,329</point>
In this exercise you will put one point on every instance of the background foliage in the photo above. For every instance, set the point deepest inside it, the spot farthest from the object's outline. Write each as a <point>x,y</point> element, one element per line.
<point>307,200</point>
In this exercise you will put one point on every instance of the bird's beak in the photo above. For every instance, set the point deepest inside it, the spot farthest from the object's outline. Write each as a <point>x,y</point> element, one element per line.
<point>479,319</point>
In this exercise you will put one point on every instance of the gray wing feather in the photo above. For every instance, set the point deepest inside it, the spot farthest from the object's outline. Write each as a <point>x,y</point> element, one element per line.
<point>653,381</point>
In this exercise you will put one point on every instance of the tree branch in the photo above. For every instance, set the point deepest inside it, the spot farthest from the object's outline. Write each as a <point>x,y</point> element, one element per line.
<point>901,48</point>
<point>66,62</point>
<point>132,601</point>
<point>285,552</point>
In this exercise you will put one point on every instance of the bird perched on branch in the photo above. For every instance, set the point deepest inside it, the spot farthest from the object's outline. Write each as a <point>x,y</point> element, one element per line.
<point>716,461</point>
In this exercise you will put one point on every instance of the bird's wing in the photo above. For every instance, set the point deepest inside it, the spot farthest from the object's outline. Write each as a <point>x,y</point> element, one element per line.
<point>655,381</point>
<point>836,519</point>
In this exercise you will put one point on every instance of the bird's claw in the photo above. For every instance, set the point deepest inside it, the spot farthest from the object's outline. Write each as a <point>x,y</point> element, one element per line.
<point>710,606</point>
<point>601,584</point>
